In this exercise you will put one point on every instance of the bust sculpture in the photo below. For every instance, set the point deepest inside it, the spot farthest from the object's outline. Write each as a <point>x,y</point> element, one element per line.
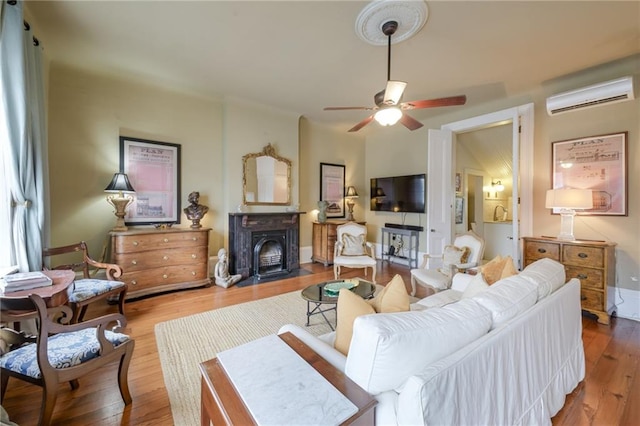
<point>221,273</point>
<point>194,210</point>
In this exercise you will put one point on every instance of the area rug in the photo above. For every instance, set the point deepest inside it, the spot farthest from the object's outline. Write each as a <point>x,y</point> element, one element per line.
<point>184,343</point>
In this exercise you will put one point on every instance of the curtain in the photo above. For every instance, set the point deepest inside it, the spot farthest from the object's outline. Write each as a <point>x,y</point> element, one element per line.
<point>23,135</point>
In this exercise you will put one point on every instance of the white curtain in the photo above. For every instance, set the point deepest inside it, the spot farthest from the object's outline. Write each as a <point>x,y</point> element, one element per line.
<point>23,134</point>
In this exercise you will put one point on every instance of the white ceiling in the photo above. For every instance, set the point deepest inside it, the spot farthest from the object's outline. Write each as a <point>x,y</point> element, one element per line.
<point>301,56</point>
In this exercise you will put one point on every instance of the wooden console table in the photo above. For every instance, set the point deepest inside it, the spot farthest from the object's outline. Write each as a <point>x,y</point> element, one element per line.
<point>221,404</point>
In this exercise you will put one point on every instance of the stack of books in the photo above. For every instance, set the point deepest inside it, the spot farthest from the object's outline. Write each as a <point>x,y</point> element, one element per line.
<point>24,281</point>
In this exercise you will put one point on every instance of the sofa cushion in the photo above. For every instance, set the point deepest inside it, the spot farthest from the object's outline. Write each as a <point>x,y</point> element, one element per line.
<point>353,245</point>
<point>437,300</point>
<point>350,306</point>
<point>386,349</point>
<point>548,274</point>
<point>392,298</point>
<point>508,298</point>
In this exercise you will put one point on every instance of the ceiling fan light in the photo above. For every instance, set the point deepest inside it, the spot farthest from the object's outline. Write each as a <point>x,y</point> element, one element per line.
<point>388,116</point>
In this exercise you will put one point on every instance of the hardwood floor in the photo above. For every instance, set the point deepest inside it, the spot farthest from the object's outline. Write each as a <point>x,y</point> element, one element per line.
<point>609,394</point>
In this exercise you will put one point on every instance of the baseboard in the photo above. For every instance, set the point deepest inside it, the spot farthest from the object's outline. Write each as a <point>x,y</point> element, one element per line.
<point>627,304</point>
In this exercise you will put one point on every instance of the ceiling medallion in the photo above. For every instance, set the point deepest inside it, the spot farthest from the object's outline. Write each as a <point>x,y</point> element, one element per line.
<point>411,15</point>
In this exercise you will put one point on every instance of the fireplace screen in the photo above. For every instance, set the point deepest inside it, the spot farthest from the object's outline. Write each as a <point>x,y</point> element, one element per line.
<point>269,254</point>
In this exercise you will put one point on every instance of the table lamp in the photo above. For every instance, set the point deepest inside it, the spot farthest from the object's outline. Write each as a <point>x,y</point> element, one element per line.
<point>118,187</point>
<point>351,195</point>
<point>567,200</point>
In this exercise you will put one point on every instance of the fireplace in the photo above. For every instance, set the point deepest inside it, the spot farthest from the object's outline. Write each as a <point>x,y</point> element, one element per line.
<point>264,244</point>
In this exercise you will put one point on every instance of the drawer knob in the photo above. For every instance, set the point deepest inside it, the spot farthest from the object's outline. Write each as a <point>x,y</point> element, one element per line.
<point>193,273</point>
<point>583,255</point>
<point>135,243</point>
<point>134,282</point>
<point>541,250</point>
<point>166,240</point>
<point>582,276</point>
<point>165,276</point>
<point>193,256</point>
<point>134,262</point>
<point>195,238</point>
<point>165,257</point>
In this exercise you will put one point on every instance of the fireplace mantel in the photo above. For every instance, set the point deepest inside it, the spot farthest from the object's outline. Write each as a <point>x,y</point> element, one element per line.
<point>244,226</point>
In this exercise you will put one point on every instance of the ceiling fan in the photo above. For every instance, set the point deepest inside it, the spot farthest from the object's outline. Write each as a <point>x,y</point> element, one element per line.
<point>389,109</point>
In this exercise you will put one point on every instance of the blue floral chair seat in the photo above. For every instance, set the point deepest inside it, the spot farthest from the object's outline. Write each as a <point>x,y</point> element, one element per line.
<point>63,350</point>
<point>87,288</point>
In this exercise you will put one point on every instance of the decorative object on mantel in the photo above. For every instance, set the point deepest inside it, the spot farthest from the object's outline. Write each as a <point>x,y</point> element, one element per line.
<point>351,195</point>
<point>567,200</point>
<point>195,211</point>
<point>322,211</point>
<point>221,273</point>
<point>118,187</point>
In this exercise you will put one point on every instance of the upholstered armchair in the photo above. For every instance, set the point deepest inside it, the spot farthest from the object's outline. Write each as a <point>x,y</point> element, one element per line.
<point>60,352</point>
<point>87,289</point>
<point>437,271</point>
<point>352,250</point>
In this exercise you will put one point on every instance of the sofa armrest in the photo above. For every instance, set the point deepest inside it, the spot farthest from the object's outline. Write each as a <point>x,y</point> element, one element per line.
<point>461,281</point>
<point>331,355</point>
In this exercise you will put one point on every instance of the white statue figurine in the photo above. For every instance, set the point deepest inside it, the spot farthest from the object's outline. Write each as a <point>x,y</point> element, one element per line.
<point>221,273</point>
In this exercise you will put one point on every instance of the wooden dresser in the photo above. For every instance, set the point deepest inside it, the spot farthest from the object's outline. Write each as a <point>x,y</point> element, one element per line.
<point>158,260</point>
<point>324,240</point>
<point>592,262</point>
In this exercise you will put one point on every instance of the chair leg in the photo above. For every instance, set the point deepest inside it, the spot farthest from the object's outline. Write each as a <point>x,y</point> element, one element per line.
<point>121,299</point>
<point>373,274</point>
<point>5,381</point>
<point>123,373</point>
<point>81,313</point>
<point>49,396</point>
<point>336,271</point>
<point>413,286</point>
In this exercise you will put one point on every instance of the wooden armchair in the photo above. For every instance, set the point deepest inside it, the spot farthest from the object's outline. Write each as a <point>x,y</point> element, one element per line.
<point>352,250</point>
<point>60,352</point>
<point>87,289</point>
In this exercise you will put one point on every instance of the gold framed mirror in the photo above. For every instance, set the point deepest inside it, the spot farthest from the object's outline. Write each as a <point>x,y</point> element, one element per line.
<point>266,178</point>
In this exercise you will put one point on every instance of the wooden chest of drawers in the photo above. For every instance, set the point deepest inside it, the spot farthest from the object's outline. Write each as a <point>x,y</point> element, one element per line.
<point>324,241</point>
<point>155,261</point>
<point>592,262</point>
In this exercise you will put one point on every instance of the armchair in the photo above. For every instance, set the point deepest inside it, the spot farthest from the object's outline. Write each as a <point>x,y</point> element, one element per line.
<point>60,352</point>
<point>87,289</point>
<point>352,250</point>
<point>437,271</point>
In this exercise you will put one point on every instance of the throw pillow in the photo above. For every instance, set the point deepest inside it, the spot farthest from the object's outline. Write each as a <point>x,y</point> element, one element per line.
<point>393,298</point>
<point>476,285</point>
<point>353,245</point>
<point>509,268</point>
<point>350,306</point>
<point>492,270</point>
<point>453,256</point>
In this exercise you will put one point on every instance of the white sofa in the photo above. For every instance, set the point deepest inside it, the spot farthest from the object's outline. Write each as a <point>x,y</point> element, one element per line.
<point>506,356</point>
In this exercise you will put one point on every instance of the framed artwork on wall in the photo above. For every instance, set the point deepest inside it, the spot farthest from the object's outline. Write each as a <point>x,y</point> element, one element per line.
<point>598,163</point>
<point>153,169</point>
<point>332,188</point>
<point>459,212</point>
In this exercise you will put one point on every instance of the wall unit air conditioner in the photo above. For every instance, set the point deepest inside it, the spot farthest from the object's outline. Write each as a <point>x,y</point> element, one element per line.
<point>609,92</point>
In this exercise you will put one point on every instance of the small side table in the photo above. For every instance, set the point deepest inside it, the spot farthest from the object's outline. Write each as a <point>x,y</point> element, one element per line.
<point>388,234</point>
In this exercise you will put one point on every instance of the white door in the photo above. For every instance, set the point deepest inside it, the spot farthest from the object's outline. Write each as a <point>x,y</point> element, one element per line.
<point>439,190</point>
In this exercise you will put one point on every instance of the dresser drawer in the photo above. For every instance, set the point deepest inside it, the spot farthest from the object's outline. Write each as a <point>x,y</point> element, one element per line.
<point>159,277</point>
<point>592,257</point>
<point>138,261</point>
<point>592,300</point>
<point>589,277</point>
<point>150,241</point>
<point>535,250</point>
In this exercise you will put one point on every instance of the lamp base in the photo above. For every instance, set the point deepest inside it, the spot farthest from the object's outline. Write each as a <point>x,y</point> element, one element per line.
<point>120,204</point>
<point>350,217</point>
<point>566,225</point>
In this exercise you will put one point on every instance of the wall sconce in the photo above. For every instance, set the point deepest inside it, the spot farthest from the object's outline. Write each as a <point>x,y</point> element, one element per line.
<point>351,195</point>
<point>567,200</point>
<point>119,186</point>
<point>496,187</point>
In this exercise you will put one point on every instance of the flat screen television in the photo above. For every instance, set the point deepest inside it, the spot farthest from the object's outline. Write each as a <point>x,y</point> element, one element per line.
<point>401,194</point>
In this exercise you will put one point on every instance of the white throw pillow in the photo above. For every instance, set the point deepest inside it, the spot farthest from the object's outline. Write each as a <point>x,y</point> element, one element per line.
<point>453,256</point>
<point>548,274</point>
<point>477,285</point>
<point>353,245</point>
<point>387,349</point>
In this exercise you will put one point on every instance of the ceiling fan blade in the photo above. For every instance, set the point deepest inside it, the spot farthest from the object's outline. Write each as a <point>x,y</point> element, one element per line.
<point>361,124</point>
<point>393,92</point>
<point>410,122</point>
<point>347,108</point>
<point>432,103</point>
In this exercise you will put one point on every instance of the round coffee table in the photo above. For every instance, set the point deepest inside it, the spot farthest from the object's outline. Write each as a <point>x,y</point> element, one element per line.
<point>316,296</point>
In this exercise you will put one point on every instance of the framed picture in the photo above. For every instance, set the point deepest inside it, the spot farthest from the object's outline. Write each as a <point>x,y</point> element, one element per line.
<point>459,213</point>
<point>154,172</point>
<point>598,163</point>
<point>458,182</point>
<point>332,188</point>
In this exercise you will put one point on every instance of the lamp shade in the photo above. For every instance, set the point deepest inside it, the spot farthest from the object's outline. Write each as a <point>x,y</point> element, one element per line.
<point>119,183</point>
<point>351,192</point>
<point>569,199</point>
